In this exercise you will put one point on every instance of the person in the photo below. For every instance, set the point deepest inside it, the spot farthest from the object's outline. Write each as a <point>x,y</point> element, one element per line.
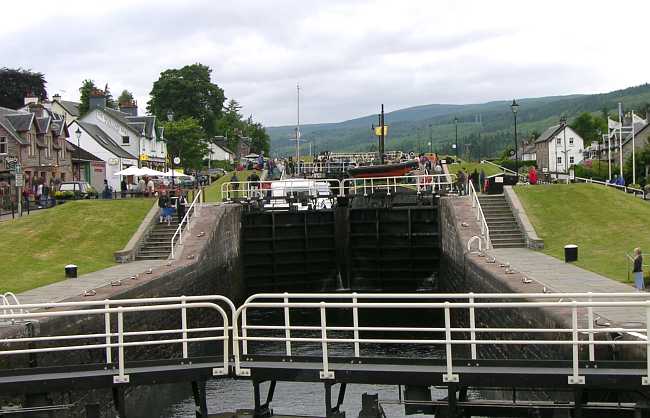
<point>141,186</point>
<point>620,181</point>
<point>39,194</point>
<point>532,175</point>
<point>46,194</point>
<point>123,187</point>
<point>254,183</point>
<point>481,178</point>
<point>461,182</point>
<point>150,187</point>
<point>163,203</point>
<point>181,205</point>
<point>637,271</point>
<point>235,184</point>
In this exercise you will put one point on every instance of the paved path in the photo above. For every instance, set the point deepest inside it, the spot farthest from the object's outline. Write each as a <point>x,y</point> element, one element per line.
<point>561,277</point>
<point>68,288</point>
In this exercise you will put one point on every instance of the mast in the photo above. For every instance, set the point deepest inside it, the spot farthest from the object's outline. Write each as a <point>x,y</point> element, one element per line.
<point>298,127</point>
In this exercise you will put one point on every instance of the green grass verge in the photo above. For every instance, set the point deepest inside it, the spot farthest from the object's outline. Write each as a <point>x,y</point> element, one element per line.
<point>85,232</point>
<point>605,224</point>
<point>470,166</point>
<point>213,191</point>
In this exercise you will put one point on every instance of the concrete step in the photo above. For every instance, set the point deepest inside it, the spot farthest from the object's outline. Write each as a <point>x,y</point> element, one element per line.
<point>151,257</point>
<point>518,245</point>
<point>504,241</point>
<point>499,236</point>
<point>164,246</point>
<point>500,230</point>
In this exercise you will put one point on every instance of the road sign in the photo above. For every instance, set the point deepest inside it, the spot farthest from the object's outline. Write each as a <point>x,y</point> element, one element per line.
<point>177,160</point>
<point>19,180</point>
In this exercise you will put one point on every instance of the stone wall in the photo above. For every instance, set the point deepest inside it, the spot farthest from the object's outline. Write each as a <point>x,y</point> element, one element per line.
<point>206,265</point>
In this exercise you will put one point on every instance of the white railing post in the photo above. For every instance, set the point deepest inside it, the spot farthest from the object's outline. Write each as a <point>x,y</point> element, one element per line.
<point>244,333</point>
<point>184,326</point>
<point>325,373</point>
<point>287,325</point>
<point>107,330</point>
<point>449,377</point>
<point>575,378</point>
<point>355,323</point>
<point>590,318</point>
<point>472,325</point>
<point>121,377</point>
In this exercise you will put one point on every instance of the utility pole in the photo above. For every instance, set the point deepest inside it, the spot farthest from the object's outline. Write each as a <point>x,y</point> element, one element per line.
<point>456,123</point>
<point>298,127</point>
<point>381,138</point>
<point>620,138</point>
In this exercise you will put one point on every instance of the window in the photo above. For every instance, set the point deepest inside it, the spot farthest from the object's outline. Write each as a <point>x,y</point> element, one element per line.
<point>3,144</point>
<point>125,140</point>
<point>559,160</point>
<point>559,141</point>
<point>32,144</point>
<point>48,146</point>
<point>571,160</point>
<point>570,141</point>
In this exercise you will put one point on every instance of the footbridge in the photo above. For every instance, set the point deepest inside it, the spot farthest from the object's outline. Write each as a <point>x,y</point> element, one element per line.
<point>414,341</point>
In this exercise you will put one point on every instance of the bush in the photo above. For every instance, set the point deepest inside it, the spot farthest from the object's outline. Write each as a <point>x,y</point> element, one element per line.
<point>63,195</point>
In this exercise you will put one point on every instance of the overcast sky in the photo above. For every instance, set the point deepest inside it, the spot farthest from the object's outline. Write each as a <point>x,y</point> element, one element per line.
<point>348,56</point>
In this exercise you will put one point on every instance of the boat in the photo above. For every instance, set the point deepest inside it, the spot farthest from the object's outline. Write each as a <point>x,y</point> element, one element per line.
<point>383,170</point>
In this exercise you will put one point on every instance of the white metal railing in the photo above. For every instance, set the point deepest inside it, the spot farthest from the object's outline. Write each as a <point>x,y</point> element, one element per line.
<point>278,188</point>
<point>480,217</point>
<point>9,303</point>
<point>114,335</point>
<point>626,189</point>
<point>419,183</point>
<point>505,170</point>
<point>579,307</point>
<point>192,210</point>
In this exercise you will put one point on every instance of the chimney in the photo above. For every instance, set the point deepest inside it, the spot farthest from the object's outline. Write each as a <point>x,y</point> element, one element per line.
<point>97,100</point>
<point>56,97</point>
<point>130,107</point>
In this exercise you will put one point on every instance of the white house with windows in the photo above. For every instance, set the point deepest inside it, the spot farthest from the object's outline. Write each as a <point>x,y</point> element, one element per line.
<point>559,148</point>
<point>219,152</point>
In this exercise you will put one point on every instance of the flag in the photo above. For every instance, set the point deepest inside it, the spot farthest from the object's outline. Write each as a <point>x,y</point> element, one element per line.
<point>378,130</point>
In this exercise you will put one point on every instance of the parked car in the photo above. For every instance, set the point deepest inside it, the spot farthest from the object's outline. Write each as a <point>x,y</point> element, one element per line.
<point>79,189</point>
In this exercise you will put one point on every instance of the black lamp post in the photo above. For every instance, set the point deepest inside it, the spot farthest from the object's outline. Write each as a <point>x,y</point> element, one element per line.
<point>78,135</point>
<point>170,117</point>
<point>599,138</point>
<point>515,107</point>
<point>456,123</point>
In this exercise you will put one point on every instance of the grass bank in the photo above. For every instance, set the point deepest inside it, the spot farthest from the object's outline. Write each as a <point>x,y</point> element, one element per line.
<point>213,191</point>
<point>85,232</point>
<point>605,224</point>
<point>470,166</point>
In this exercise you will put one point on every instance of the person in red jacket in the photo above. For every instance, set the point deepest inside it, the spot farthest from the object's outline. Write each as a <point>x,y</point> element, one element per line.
<point>532,175</point>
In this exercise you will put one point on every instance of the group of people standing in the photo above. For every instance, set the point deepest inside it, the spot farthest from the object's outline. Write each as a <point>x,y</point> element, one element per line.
<point>168,204</point>
<point>463,179</point>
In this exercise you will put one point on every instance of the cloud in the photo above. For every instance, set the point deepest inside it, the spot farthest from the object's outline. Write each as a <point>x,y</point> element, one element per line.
<point>349,57</point>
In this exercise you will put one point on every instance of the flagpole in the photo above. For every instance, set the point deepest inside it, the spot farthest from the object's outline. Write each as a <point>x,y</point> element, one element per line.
<point>633,153</point>
<point>620,138</point>
<point>298,129</point>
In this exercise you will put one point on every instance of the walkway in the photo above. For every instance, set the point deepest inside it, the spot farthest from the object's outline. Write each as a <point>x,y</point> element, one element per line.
<point>560,277</point>
<point>69,288</point>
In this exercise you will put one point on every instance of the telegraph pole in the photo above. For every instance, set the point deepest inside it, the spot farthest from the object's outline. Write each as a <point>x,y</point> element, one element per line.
<point>381,138</point>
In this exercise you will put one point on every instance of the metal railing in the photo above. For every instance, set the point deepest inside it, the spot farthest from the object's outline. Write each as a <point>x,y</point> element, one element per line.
<point>9,303</point>
<point>277,188</point>
<point>626,189</point>
<point>324,168</point>
<point>113,313</point>
<point>192,210</point>
<point>579,307</point>
<point>419,183</point>
<point>480,217</point>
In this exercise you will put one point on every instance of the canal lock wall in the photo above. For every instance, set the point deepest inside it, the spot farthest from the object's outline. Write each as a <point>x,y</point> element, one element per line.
<point>207,265</point>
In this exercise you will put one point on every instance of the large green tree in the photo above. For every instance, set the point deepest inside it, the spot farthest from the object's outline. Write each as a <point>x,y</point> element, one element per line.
<point>125,96</point>
<point>260,141</point>
<point>589,126</point>
<point>17,83</point>
<point>187,92</point>
<point>186,139</point>
<point>86,89</point>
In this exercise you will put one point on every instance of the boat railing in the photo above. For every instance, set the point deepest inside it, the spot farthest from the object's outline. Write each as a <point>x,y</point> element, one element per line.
<point>251,190</point>
<point>424,183</point>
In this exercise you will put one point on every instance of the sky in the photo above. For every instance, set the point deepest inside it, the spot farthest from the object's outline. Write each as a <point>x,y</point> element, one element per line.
<point>348,56</point>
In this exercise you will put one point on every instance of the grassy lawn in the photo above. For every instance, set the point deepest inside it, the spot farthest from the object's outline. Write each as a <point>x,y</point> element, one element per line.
<point>469,166</point>
<point>604,223</point>
<point>213,192</point>
<point>86,233</point>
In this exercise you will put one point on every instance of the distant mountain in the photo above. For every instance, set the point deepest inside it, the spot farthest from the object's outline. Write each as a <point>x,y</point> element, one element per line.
<point>412,128</point>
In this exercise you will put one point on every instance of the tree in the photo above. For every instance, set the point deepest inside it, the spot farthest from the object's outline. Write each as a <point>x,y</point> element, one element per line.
<point>16,84</point>
<point>185,139</point>
<point>588,127</point>
<point>125,97</point>
<point>110,102</point>
<point>187,92</point>
<point>86,89</point>
<point>260,140</point>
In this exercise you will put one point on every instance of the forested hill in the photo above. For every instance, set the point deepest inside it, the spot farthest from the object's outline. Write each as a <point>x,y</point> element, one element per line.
<point>412,128</point>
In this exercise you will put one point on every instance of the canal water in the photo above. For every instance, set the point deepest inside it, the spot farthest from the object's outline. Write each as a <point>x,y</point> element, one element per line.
<point>228,395</point>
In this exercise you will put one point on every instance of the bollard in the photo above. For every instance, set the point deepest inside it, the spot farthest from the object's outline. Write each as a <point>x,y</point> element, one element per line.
<point>71,271</point>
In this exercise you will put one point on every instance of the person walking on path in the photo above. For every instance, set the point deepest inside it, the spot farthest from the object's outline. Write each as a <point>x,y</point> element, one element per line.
<point>163,203</point>
<point>123,187</point>
<point>461,182</point>
<point>532,175</point>
<point>481,178</point>
<point>181,205</point>
<point>637,271</point>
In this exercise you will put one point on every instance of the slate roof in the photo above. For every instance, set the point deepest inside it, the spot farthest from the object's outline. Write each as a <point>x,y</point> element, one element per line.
<point>80,154</point>
<point>42,124</point>
<point>549,133</point>
<point>6,124</point>
<point>148,121</point>
<point>120,117</point>
<point>22,122</point>
<point>70,107</point>
<point>103,139</point>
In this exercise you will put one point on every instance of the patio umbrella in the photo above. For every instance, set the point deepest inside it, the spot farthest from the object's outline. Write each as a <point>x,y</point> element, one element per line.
<point>130,171</point>
<point>146,171</point>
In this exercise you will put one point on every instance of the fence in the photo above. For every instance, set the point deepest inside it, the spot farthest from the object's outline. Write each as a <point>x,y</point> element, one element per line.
<point>626,189</point>
<point>421,183</point>
<point>480,217</point>
<point>192,211</point>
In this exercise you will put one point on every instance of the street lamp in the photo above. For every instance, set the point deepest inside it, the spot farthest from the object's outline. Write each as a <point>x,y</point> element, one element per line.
<point>430,148</point>
<point>515,107</point>
<point>456,123</point>
<point>78,135</point>
<point>170,118</point>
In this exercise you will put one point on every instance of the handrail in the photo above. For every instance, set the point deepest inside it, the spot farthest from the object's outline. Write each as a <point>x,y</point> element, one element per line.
<point>422,182</point>
<point>352,333</point>
<point>257,189</point>
<point>108,339</point>
<point>8,301</point>
<point>480,217</point>
<point>186,219</point>
<point>634,190</point>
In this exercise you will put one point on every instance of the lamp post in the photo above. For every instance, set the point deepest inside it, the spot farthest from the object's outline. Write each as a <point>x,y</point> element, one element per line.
<point>78,135</point>
<point>170,118</point>
<point>515,107</point>
<point>598,145</point>
<point>456,123</point>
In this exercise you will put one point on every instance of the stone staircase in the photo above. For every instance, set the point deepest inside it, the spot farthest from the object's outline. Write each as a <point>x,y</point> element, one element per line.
<point>504,230</point>
<point>157,245</point>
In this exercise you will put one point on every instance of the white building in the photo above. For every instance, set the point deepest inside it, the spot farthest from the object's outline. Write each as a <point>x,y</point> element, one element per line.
<point>97,142</point>
<point>219,153</point>
<point>559,148</point>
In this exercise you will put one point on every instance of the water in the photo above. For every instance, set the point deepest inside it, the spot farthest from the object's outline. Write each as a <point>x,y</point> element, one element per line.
<point>228,395</point>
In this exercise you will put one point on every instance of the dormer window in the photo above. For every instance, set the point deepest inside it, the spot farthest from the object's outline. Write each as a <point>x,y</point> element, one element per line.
<point>125,140</point>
